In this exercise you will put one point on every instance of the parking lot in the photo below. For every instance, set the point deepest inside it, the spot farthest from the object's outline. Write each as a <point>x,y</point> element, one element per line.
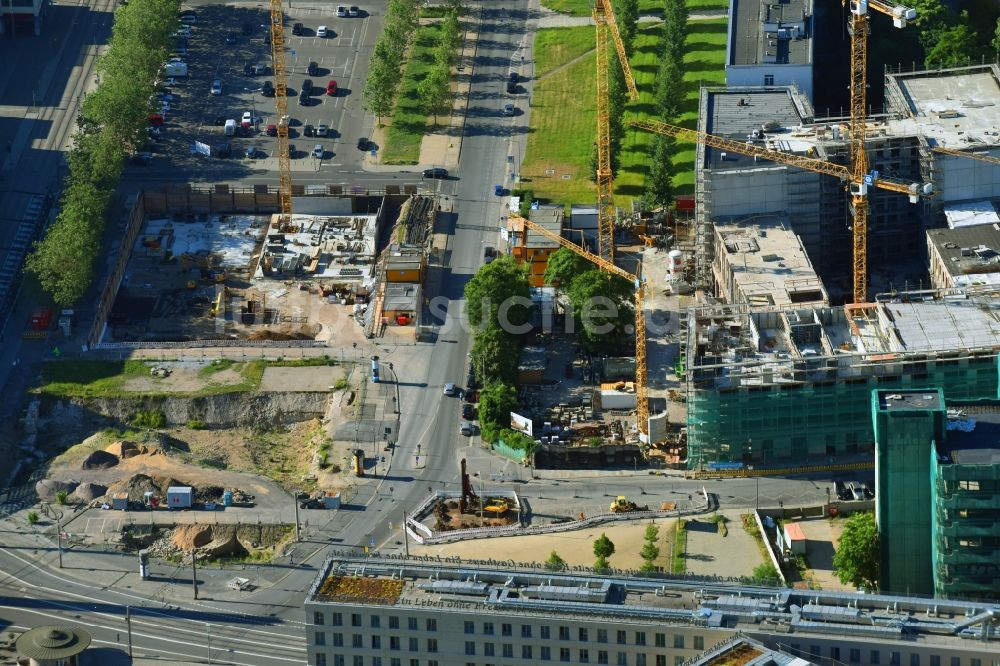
<point>231,45</point>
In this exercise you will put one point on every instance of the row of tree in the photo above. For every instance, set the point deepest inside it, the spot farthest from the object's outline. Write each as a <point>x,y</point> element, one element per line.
<point>383,79</point>
<point>112,122</point>
<point>435,89</point>
<point>667,99</point>
<point>627,18</point>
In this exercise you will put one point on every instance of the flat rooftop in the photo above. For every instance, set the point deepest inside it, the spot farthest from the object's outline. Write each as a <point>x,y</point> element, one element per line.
<point>969,251</point>
<point>767,262</point>
<point>738,113</point>
<point>908,401</point>
<point>445,586</point>
<point>551,218</point>
<point>743,651</point>
<point>770,33</point>
<point>742,347</point>
<point>970,213</point>
<point>335,248</point>
<point>973,439</point>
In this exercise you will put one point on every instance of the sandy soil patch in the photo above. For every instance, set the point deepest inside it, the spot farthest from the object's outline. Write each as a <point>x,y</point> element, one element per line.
<point>574,547</point>
<point>318,378</point>
<point>182,380</point>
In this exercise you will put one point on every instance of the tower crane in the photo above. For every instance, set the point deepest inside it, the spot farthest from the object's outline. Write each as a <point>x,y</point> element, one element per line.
<point>604,18</point>
<point>281,110</point>
<point>955,152</point>
<point>608,266</point>
<point>859,176</point>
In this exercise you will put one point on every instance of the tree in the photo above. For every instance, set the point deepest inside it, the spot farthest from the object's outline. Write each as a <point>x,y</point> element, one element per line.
<point>564,266</point>
<point>650,551</point>
<point>675,15</point>
<point>32,517</point>
<point>669,91</point>
<point>764,573</point>
<point>496,402</point>
<point>555,563</point>
<point>602,306</point>
<point>627,18</point>
<point>957,45</point>
<point>659,192</point>
<point>434,91</point>
<point>996,38</point>
<point>499,294</point>
<point>857,558</point>
<point>603,549</point>
<point>380,89</point>
<point>495,354</point>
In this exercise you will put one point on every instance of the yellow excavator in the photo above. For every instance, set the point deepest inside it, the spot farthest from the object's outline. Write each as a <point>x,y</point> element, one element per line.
<point>624,505</point>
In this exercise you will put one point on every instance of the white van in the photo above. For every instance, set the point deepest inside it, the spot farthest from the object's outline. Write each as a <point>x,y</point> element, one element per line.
<point>175,68</point>
<point>230,127</point>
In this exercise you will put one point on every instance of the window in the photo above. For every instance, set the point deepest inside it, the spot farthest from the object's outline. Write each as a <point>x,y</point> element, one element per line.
<point>602,656</point>
<point>583,635</point>
<point>584,656</point>
<point>376,621</point>
<point>699,642</point>
<point>357,640</point>
<point>525,631</point>
<point>393,642</point>
<point>470,648</point>
<point>376,661</point>
<point>564,633</point>
<point>394,622</point>
<point>546,652</point>
<point>525,652</point>
<point>320,659</point>
<point>506,629</point>
<point>563,654</point>
<point>661,660</point>
<point>602,635</point>
<point>337,619</point>
<point>545,631</point>
<point>359,660</point>
<point>411,623</point>
<point>975,662</point>
<point>489,649</point>
<point>874,657</point>
<point>935,660</point>
<point>338,640</point>
<point>679,641</point>
<point>769,79</point>
<point>815,650</point>
<point>854,656</point>
<point>956,661</point>
<point>414,645</point>
<point>355,619</point>
<point>470,627</point>
<point>508,651</point>
<point>432,645</point>
<point>660,640</point>
<point>640,638</point>
<point>621,637</point>
<point>320,638</point>
<point>678,661</point>
<point>432,662</point>
<point>640,659</point>
<point>914,659</point>
<point>835,653</point>
<point>338,659</point>
<point>414,662</point>
<point>432,624</point>
<point>317,618</point>
<point>894,658</point>
<point>622,659</point>
<point>376,642</point>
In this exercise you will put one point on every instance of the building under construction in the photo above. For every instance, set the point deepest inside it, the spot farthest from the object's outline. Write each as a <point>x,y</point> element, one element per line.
<point>774,372</point>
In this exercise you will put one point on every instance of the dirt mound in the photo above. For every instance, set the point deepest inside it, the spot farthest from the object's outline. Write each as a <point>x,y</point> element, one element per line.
<point>164,482</point>
<point>208,494</point>
<point>126,449</point>
<point>286,332</point>
<point>135,486</point>
<point>87,492</point>
<point>48,488</point>
<point>189,537</point>
<point>99,460</point>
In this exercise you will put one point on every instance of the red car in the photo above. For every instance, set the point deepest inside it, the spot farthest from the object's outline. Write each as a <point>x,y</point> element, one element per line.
<point>331,88</point>
<point>272,130</point>
<point>155,119</point>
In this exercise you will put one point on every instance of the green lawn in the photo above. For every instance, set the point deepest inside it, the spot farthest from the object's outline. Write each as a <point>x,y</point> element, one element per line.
<point>563,116</point>
<point>584,7</point>
<point>409,122</point>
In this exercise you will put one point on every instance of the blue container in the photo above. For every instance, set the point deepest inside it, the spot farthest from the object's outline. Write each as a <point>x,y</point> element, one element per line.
<point>227,498</point>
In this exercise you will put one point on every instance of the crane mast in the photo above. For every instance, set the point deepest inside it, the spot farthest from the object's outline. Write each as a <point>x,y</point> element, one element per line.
<point>281,110</point>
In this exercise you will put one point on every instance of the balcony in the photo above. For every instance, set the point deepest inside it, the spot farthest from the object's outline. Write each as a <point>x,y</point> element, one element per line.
<point>961,527</point>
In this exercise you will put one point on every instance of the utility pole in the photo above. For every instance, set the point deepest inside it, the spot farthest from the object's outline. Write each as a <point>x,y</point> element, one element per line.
<point>295,505</point>
<point>59,541</point>
<point>209,627</point>
<point>128,624</point>
<point>194,574</point>
<point>406,541</point>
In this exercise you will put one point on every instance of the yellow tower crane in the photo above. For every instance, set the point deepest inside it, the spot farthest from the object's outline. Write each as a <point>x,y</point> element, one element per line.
<point>641,388</point>
<point>281,110</point>
<point>604,19</point>
<point>955,152</point>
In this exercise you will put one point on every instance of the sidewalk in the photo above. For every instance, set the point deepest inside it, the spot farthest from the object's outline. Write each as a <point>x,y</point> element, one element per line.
<point>551,19</point>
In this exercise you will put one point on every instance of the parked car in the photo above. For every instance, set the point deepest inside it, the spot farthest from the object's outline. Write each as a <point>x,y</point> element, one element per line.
<point>307,87</point>
<point>321,31</point>
<point>467,429</point>
<point>252,152</point>
<point>322,130</point>
<point>436,172</point>
<point>313,68</point>
<point>272,130</point>
<point>468,411</point>
<point>291,151</point>
<point>156,119</point>
<point>268,89</point>
<point>498,190</point>
<point>331,88</point>
<point>247,119</point>
<point>303,99</point>
<point>341,10</point>
<point>224,150</point>
<point>508,109</point>
<point>297,29</point>
<point>188,16</point>
<point>364,143</point>
<point>450,390</point>
<point>318,151</point>
<point>308,130</point>
<point>217,86</point>
<point>512,80</point>
<point>353,11</point>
